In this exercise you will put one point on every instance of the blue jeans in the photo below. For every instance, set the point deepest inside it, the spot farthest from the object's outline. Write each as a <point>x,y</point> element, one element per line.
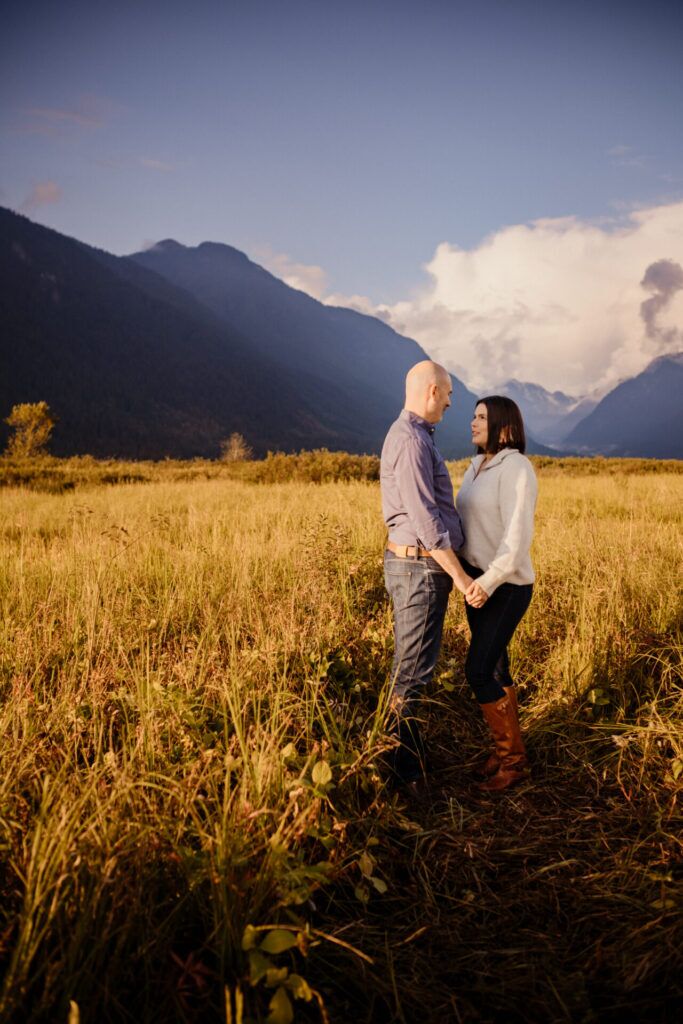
<point>487,667</point>
<point>419,590</point>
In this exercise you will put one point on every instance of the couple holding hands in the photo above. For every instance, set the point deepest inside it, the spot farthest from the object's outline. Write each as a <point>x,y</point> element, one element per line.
<point>480,542</point>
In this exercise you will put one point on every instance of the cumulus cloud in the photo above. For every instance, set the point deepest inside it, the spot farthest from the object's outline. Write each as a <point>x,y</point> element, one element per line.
<point>664,279</point>
<point>305,277</point>
<point>42,194</point>
<point>558,302</point>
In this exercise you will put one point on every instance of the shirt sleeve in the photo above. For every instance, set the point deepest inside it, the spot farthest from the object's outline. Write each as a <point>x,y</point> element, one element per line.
<point>414,471</point>
<point>517,497</point>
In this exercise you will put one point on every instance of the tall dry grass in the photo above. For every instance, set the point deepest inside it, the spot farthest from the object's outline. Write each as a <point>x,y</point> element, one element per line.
<point>194,819</point>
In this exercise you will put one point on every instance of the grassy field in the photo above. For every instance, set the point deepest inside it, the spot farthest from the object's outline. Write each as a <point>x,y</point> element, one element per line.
<point>194,824</point>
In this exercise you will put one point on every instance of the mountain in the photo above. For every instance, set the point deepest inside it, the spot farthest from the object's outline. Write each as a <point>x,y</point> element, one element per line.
<point>548,415</point>
<point>138,360</point>
<point>557,432</point>
<point>365,358</point>
<point>130,365</point>
<point>641,417</point>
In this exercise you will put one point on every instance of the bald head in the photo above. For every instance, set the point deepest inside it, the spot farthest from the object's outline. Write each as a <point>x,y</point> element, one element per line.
<point>420,376</point>
<point>428,389</point>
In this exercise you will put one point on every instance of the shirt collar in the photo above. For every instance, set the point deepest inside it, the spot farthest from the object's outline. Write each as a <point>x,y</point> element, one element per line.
<point>412,417</point>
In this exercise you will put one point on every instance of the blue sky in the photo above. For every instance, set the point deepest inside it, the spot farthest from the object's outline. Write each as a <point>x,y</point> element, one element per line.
<point>349,137</point>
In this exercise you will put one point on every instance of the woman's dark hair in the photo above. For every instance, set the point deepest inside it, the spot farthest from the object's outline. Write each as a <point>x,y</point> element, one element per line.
<point>505,424</point>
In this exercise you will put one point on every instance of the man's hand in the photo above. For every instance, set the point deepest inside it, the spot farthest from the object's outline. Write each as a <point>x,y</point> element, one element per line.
<point>463,583</point>
<point>475,595</point>
<point>448,560</point>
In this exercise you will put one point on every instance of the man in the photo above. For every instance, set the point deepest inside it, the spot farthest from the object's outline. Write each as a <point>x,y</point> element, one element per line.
<point>420,565</point>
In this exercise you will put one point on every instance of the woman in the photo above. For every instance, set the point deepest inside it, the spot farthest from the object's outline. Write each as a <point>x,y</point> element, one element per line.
<point>496,503</point>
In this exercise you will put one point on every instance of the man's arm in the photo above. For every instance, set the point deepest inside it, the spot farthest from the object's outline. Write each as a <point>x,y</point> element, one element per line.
<point>415,475</point>
<point>448,560</point>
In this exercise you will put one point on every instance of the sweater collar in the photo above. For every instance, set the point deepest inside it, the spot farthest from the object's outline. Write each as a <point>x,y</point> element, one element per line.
<point>499,457</point>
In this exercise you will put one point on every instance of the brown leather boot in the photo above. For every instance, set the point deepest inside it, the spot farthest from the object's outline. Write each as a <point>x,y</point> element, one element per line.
<point>502,720</point>
<point>485,769</point>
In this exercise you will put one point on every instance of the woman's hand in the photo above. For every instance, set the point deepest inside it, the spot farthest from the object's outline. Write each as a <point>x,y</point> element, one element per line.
<point>475,595</point>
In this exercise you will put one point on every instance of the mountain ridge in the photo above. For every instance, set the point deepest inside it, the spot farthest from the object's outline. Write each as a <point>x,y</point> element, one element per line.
<point>297,330</point>
<point>130,365</point>
<point>641,417</point>
<point>134,365</point>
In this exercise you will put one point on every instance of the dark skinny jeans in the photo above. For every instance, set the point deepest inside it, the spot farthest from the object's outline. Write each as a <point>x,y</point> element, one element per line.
<point>487,666</point>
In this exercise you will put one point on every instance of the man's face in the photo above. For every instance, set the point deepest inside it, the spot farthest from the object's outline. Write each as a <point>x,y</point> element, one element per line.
<point>439,399</point>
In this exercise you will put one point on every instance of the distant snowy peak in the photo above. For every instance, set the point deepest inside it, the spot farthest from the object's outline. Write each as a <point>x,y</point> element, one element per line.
<point>548,415</point>
<point>611,419</point>
<point>532,389</point>
<point>537,395</point>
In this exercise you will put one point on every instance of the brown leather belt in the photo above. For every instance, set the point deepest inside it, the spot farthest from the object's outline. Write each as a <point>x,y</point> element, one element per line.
<point>405,551</point>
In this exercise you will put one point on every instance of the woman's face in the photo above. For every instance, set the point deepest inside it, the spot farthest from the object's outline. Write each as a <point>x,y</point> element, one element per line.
<point>480,426</point>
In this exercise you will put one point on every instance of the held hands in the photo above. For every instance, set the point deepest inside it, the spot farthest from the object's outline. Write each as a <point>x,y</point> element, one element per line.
<point>475,595</point>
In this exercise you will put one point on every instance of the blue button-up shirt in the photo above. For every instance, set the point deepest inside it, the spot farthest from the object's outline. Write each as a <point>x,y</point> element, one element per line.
<point>417,493</point>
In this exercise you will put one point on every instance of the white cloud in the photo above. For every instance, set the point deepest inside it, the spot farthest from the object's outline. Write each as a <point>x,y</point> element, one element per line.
<point>42,194</point>
<point>305,277</point>
<point>557,301</point>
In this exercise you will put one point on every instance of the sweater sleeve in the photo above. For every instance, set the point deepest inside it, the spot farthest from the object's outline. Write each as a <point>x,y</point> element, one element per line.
<point>517,495</point>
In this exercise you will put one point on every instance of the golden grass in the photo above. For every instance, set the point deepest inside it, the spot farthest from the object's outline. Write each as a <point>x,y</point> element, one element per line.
<point>185,663</point>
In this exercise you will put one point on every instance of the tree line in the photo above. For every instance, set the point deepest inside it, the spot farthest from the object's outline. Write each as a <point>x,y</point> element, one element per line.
<point>32,424</point>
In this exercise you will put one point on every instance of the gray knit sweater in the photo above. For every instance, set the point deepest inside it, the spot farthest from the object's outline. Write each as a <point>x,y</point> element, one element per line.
<point>497,506</point>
